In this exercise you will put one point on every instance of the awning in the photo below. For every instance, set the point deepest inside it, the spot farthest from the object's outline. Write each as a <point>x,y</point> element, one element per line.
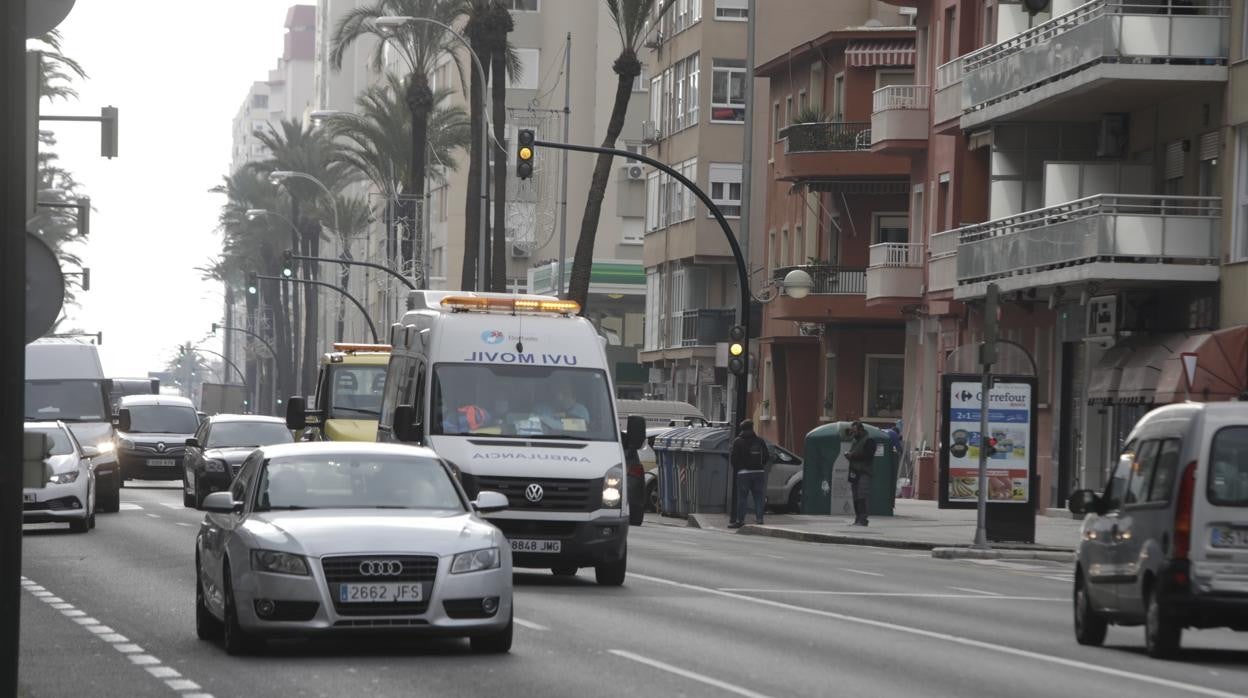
<point>1146,369</point>
<point>865,54</point>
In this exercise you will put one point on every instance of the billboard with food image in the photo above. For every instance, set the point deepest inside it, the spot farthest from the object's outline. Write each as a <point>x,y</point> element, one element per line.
<point>1010,415</point>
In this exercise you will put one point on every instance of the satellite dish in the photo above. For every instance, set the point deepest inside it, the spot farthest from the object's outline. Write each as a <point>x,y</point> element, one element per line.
<point>1035,7</point>
<point>45,288</point>
<point>42,16</point>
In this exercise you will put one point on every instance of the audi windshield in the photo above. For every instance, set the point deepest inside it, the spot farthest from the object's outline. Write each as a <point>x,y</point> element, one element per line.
<point>367,481</point>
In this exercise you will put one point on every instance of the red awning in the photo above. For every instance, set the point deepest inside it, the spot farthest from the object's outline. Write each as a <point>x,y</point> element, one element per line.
<point>866,54</point>
<point>1221,368</point>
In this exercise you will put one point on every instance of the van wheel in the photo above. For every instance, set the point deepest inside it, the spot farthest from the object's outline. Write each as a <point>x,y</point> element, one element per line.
<point>1090,628</point>
<point>1162,631</point>
<point>611,574</point>
<point>654,503</point>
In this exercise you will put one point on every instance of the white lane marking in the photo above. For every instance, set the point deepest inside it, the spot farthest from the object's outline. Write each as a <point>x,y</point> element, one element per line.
<point>173,678</point>
<point>976,591</point>
<point>700,678</point>
<point>1060,578</point>
<point>171,505</point>
<point>776,557</point>
<point>42,594</point>
<point>154,516</point>
<point>183,523</point>
<point>897,594</point>
<point>952,639</point>
<point>869,574</point>
<point>529,624</point>
<point>129,506</point>
<point>52,599</point>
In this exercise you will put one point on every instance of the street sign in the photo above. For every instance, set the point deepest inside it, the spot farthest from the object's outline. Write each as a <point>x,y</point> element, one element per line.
<point>45,288</point>
<point>42,16</point>
<point>1189,368</point>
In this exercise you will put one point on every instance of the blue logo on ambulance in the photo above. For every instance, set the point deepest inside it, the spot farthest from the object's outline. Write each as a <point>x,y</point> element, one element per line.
<point>492,337</point>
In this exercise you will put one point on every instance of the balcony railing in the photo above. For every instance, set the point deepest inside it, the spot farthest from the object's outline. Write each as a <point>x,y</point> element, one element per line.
<point>949,74</point>
<point>942,269</point>
<point>702,328</point>
<point>830,280</point>
<point>900,97</point>
<point>827,137</point>
<point>1101,31</point>
<point>896,254</point>
<point>1117,228</point>
<point>947,100</point>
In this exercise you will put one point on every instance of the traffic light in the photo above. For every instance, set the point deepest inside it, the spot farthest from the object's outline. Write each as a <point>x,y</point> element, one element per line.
<point>990,447</point>
<point>736,349</point>
<point>524,153</point>
<point>253,284</point>
<point>288,264</point>
<point>992,315</point>
<point>108,132</point>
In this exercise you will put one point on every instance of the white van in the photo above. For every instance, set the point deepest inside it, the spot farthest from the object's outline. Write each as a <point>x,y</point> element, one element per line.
<point>65,382</point>
<point>1166,544</point>
<point>515,391</point>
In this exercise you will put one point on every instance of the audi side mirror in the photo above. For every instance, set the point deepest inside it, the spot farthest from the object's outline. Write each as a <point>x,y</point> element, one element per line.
<point>490,502</point>
<point>192,442</point>
<point>90,452</point>
<point>220,503</point>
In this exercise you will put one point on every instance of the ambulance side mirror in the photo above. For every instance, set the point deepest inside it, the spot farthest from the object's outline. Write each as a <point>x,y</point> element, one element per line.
<point>405,425</point>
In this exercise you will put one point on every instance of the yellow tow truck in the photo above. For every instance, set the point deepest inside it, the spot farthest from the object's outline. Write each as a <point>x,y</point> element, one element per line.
<point>348,395</point>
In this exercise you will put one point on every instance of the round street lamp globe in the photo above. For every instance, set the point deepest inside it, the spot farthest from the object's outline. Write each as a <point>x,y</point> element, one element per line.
<point>797,284</point>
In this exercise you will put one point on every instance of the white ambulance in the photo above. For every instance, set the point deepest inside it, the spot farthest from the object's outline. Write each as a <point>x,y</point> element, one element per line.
<point>516,392</point>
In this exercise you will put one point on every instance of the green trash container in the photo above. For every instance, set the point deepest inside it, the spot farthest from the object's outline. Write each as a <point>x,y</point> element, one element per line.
<point>825,473</point>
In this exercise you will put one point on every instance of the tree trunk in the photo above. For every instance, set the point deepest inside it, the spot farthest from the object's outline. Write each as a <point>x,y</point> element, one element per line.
<point>312,294</point>
<point>419,102</point>
<point>583,262</point>
<point>292,290</point>
<point>281,334</point>
<point>498,78</point>
<point>344,280</point>
<point>472,199</point>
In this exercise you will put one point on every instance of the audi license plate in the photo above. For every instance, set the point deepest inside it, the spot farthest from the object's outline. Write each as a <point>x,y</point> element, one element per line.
<point>1228,537</point>
<point>529,545</point>
<point>28,496</point>
<point>380,593</point>
<point>161,462</point>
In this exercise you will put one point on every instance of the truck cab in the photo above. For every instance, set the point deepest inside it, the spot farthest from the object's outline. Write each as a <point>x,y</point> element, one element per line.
<point>515,391</point>
<point>348,395</point>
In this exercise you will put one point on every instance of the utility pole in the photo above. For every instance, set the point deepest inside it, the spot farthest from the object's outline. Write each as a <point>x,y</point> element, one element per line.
<point>987,357</point>
<point>747,162</point>
<point>563,197</point>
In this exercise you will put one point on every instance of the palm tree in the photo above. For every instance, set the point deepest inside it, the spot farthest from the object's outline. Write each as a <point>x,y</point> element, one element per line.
<point>253,246</point>
<point>631,18</point>
<point>56,70</point>
<point>311,151</point>
<point>354,215</point>
<point>421,44</point>
<point>375,142</point>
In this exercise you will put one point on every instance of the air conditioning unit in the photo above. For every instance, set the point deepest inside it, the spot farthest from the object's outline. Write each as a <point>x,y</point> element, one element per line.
<point>655,41</point>
<point>518,252</point>
<point>633,172</point>
<point>810,329</point>
<point>650,133</point>
<point>1103,316</point>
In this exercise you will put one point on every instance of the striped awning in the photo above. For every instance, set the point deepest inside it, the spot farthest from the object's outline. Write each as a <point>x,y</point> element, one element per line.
<point>865,54</point>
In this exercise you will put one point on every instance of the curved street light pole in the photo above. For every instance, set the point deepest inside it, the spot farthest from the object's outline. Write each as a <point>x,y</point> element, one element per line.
<point>355,262</point>
<point>272,357</point>
<point>367,318</point>
<point>280,176</point>
<point>231,364</point>
<point>482,241</point>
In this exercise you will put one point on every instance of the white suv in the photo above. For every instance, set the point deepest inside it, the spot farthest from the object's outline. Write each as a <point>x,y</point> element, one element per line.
<point>1166,544</point>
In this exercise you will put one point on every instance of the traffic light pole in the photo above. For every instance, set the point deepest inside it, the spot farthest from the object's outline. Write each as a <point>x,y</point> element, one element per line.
<point>987,357</point>
<point>743,274</point>
<point>367,318</point>
<point>356,263</point>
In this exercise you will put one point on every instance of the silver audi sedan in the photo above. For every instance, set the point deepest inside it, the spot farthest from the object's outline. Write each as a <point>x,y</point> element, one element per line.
<point>326,537</point>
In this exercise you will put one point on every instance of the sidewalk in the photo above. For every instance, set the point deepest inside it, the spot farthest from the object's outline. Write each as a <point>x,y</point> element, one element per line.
<point>915,525</point>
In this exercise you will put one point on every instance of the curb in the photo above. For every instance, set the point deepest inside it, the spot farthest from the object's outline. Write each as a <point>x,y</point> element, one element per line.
<point>944,553</point>
<point>832,538</point>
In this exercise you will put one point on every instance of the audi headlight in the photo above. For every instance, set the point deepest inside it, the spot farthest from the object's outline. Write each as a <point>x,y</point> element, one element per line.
<point>281,563</point>
<point>126,444</point>
<point>613,488</point>
<point>104,447</point>
<point>475,561</point>
<point>63,478</point>
<point>215,466</point>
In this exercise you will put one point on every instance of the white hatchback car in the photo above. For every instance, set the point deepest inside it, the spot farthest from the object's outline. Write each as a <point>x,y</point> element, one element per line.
<point>1166,544</point>
<point>326,537</point>
<point>69,494</point>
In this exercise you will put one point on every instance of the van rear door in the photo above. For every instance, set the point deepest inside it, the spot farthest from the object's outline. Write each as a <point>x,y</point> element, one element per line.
<point>1219,548</point>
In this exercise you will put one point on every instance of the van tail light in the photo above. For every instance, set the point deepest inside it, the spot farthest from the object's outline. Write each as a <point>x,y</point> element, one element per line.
<point>1183,513</point>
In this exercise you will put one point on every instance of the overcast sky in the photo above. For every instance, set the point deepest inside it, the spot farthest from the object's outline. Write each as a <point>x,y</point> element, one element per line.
<point>178,73</point>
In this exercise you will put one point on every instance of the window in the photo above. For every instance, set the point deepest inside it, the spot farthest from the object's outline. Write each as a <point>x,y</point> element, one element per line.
<point>732,10</point>
<point>776,125</point>
<point>642,79</point>
<point>725,182</point>
<point>1142,473</point>
<point>784,248</point>
<point>652,201</point>
<point>632,147</point>
<point>916,209</point>
<point>682,15</point>
<point>654,301</point>
<point>678,99</point>
<point>885,78</point>
<point>799,242</point>
<point>1228,468</point>
<point>656,102</point>
<point>1117,486</point>
<point>667,200</point>
<point>728,90</point>
<point>989,28</point>
<point>1166,471</point>
<point>889,227</point>
<point>838,97</point>
<point>773,259</point>
<point>260,101</point>
<point>1239,233</point>
<point>885,385</point>
<point>949,48</point>
<point>528,77</point>
<point>788,110</point>
<point>522,5</point>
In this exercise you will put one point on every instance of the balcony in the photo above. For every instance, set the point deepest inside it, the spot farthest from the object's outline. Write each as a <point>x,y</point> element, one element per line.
<point>895,272</point>
<point>1112,55</point>
<point>838,294</point>
<point>701,328</point>
<point>947,95</point>
<point>834,150</point>
<point>1118,238</point>
<point>899,118</point>
<point>942,266</point>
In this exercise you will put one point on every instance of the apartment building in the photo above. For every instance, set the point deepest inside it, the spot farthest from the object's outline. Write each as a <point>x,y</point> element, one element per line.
<point>1078,159</point>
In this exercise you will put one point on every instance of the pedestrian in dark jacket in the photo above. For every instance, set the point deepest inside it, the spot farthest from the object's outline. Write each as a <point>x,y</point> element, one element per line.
<point>749,466</point>
<point>861,456</point>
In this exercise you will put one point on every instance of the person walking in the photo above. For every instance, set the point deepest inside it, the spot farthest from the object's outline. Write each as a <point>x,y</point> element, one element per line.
<point>861,455</point>
<point>749,466</point>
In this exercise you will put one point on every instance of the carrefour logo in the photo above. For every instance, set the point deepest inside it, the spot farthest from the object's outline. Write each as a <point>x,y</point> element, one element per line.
<point>492,337</point>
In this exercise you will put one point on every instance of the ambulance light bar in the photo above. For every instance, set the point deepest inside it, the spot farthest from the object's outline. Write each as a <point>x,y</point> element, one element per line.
<point>355,348</point>
<point>511,305</point>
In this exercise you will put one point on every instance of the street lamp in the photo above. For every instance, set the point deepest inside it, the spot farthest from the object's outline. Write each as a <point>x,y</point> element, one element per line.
<point>280,177</point>
<point>396,22</point>
<point>796,284</point>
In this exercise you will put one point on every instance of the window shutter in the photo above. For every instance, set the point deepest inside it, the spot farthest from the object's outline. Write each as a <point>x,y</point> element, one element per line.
<point>1210,145</point>
<point>1174,160</point>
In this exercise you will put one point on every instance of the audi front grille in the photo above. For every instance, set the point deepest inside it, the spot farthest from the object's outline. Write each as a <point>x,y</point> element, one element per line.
<point>346,569</point>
